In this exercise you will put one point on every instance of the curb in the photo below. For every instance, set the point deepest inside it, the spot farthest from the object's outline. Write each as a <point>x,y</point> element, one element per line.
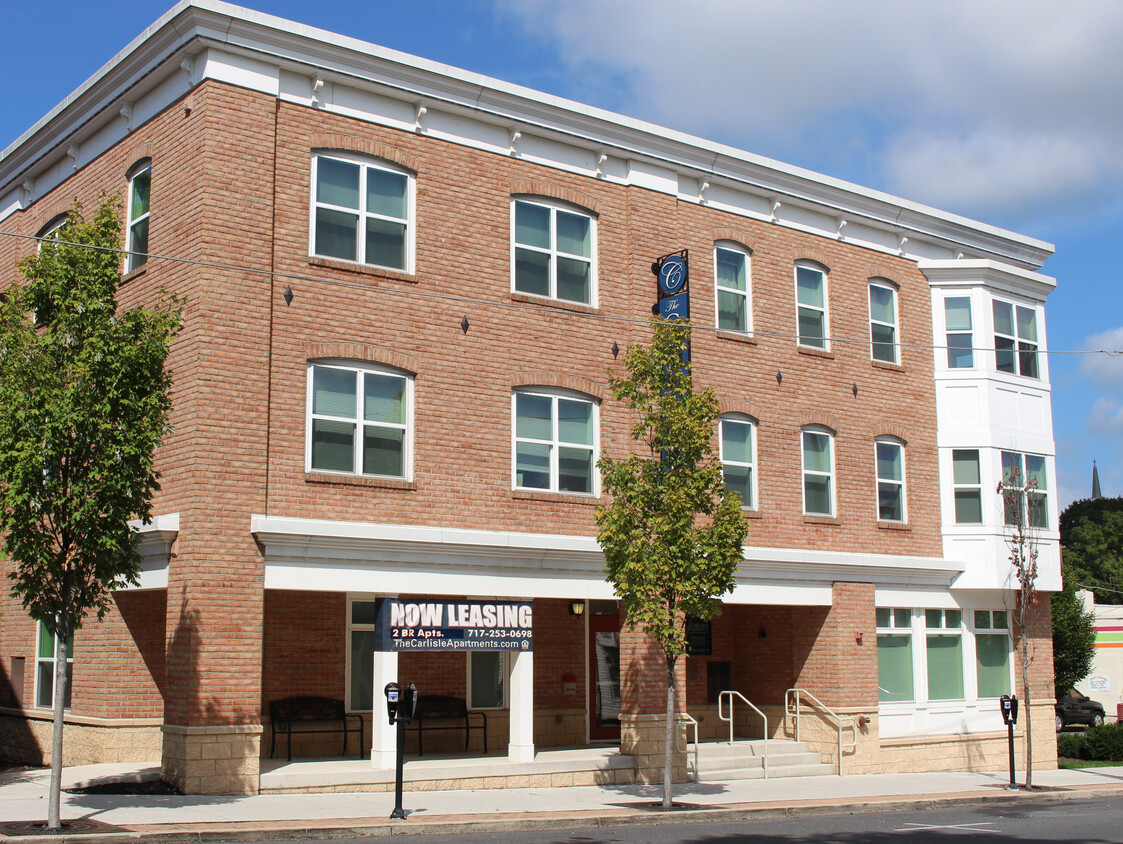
<point>635,815</point>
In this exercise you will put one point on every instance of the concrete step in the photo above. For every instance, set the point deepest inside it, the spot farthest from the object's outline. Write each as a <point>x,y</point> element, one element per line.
<point>718,761</point>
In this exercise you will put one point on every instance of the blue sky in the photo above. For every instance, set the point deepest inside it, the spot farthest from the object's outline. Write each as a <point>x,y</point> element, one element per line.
<point>1009,111</point>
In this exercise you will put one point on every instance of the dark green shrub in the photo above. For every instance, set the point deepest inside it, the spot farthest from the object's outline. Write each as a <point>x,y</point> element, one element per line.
<point>1072,745</point>
<point>1105,743</point>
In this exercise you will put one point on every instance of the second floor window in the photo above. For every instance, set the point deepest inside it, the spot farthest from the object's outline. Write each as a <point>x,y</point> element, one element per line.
<point>818,473</point>
<point>890,481</point>
<point>140,186</point>
<point>883,322</point>
<point>811,306</point>
<point>359,421</point>
<point>737,458</point>
<point>1033,506</point>
<point>967,486</point>
<point>555,439</point>
<point>734,303</point>
<point>361,213</point>
<point>552,252</point>
<point>1015,339</point>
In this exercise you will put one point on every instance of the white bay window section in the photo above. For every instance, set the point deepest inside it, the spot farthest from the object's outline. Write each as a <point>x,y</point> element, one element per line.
<point>359,420</point>
<point>1028,473</point>
<point>967,486</point>
<point>362,212</point>
<point>960,337</point>
<point>1015,339</point>
<point>555,442</point>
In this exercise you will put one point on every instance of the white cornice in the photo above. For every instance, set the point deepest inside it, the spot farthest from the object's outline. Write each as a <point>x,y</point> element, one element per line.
<point>972,273</point>
<point>189,28</point>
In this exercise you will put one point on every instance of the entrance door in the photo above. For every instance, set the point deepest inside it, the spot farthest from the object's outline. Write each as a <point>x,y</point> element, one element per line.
<point>604,677</point>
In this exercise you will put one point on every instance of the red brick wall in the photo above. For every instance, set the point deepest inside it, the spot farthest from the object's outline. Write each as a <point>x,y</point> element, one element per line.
<point>305,645</point>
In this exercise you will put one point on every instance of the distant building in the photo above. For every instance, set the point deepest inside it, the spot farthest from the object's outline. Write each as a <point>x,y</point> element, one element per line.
<point>406,283</point>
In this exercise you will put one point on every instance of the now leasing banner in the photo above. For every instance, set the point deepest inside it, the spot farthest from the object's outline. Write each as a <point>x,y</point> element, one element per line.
<point>454,626</point>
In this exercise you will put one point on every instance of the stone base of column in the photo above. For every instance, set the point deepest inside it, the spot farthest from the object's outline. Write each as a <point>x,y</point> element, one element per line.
<point>212,760</point>
<point>643,738</point>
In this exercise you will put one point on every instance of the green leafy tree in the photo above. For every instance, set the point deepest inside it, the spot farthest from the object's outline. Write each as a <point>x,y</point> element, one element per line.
<point>83,405</point>
<point>672,534</point>
<point>1074,635</point>
<point>1092,538</point>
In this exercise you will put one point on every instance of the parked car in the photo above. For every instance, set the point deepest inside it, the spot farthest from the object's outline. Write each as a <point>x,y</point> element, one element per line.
<point>1075,708</point>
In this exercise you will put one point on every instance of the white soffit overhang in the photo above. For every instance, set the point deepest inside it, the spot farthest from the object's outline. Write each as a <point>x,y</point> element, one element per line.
<point>325,555</point>
<point>156,539</point>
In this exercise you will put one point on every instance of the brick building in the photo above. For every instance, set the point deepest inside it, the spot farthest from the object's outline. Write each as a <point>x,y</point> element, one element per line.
<point>468,256</point>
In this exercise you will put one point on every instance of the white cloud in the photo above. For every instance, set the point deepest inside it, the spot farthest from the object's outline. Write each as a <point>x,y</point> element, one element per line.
<point>1105,368</point>
<point>1106,417</point>
<point>980,107</point>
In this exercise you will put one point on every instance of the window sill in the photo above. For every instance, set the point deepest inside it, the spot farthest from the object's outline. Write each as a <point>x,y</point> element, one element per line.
<point>362,269</point>
<point>891,367</point>
<point>809,519</point>
<point>561,497</point>
<point>131,274</point>
<point>737,336</point>
<point>815,353</point>
<point>881,525</point>
<point>547,302</point>
<point>356,480</point>
<point>751,513</point>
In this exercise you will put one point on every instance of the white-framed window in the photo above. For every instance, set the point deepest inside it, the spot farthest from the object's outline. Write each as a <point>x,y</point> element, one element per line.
<point>362,212</point>
<point>884,344</point>
<point>1027,468</point>
<point>554,442</point>
<point>992,653</point>
<point>140,188</point>
<point>967,486</point>
<point>737,448</point>
<point>818,472</point>
<point>943,644</point>
<point>552,251</point>
<point>46,657</point>
<point>51,230</point>
<point>894,655</point>
<point>890,459</point>
<point>1015,339</point>
<point>733,289</point>
<point>811,306</point>
<point>487,679</point>
<point>960,336</point>
<point>362,611</point>
<point>360,420</point>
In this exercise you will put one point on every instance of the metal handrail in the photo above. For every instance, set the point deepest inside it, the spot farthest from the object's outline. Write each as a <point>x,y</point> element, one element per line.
<point>690,722</point>
<point>797,694</point>
<point>752,706</point>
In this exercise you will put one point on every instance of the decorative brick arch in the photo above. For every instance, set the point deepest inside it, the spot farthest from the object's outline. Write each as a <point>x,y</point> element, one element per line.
<point>362,351</point>
<point>327,142</point>
<point>891,429</point>
<point>741,407</point>
<point>814,256</point>
<point>536,187</point>
<point>737,236</point>
<point>139,155</point>
<point>558,382</point>
<point>883,273</point>
<point>817,417</point>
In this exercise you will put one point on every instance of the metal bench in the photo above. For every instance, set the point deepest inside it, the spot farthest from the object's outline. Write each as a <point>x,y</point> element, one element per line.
<point>442,709</point>
<point>311,715</point>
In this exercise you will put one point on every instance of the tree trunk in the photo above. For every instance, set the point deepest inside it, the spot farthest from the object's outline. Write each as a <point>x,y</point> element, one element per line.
<point>1025,704</point>
<point>668,747</point>
<point>62,646</point>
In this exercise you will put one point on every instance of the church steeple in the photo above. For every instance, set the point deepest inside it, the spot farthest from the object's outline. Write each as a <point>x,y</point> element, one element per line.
<point>1095,482</point>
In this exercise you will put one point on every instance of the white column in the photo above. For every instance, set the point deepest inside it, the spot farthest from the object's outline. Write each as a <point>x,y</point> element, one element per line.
<point>384,738</point>
<point>521,746</point>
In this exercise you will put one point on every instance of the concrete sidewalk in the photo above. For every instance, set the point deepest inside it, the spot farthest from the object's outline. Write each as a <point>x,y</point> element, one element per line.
<point>107,819</point>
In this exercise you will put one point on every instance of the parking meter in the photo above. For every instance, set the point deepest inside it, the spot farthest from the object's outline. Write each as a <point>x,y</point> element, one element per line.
<point>392,692</point>
<point>1009,709</point>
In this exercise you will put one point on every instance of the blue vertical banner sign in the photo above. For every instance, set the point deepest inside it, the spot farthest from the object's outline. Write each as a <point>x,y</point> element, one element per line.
<point>673,274</point>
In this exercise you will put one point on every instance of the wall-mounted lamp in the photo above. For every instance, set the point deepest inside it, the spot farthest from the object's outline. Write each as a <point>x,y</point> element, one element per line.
<point>863,721</point>
<point>577,608</point>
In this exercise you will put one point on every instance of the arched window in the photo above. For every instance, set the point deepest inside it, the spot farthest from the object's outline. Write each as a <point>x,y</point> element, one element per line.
<point>140,187</point>
<point>553,251</point>
<point>554,441</point>
<point>890,460</point>
<point>818,471</point>
<point>737,447</point>
<point>733,288</point>
<point>812,321</point>
<point>884,342</point>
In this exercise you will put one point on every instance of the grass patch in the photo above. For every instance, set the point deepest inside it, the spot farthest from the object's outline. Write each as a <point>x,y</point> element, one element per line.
<point>1066,764</point>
